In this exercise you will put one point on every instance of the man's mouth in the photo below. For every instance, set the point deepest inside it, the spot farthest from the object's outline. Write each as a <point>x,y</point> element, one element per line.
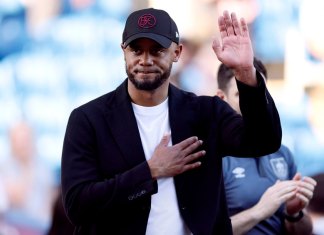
<point>145,71</point>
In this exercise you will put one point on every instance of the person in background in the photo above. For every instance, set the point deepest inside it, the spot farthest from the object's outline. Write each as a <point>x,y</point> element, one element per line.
<point>146,158</point>
<point>60,224</point>
<point>29,183</point>
<point>5,229</point>
<point>316,205</point>
<point>189,50</point>
<point>265,195</point>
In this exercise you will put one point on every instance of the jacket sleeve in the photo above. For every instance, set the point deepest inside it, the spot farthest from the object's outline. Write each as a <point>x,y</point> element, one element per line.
<point>258,131</point>
<point>87,194</point>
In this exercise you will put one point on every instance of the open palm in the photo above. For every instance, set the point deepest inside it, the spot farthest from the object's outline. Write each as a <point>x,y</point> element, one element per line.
<point>235,49</point>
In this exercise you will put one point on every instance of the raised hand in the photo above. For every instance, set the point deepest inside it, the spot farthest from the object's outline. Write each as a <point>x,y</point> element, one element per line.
<point>235,49</point>
<point>168,161</point>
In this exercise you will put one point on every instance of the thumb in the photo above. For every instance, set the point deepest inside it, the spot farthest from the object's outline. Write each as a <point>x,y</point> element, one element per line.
<point>216,46</point>
<point>297,176</point>
<point>165,139</point>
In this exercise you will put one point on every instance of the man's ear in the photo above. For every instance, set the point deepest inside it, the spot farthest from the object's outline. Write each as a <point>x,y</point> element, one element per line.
<point>177,52</point>
<point>123,48</point>
<point>220,94</point>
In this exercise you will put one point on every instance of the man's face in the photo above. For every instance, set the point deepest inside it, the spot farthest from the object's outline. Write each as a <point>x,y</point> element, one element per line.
<point>148,64</point>
<point>231,95</point>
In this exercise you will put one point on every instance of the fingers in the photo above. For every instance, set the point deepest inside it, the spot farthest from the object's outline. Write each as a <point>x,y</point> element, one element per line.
<point>297,176</point>
<point>222,27</point>
<point>288,189</point>
<point>188,148</point>
<point>245,30</point>
<point>303,200</point>
<point>306,189</point>
<point>191,148</point>
<point>283,190</point>
<point>183,144</point>
<point>236,26</point>
<point>191,166</point>
<point>310,180</point>
<point>195,156</point>
<point>217,47</point>
<point>188,142</point>
<point>304,193</point>
<point>274,196</point>
<point>176,159</point>
<point>229,25</point>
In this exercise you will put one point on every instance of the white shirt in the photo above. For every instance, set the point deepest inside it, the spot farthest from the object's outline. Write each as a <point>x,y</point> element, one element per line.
<point>164,218</point>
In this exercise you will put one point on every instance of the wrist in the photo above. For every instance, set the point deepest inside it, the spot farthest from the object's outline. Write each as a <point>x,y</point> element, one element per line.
<point>261,212</point>
<point>256,215</point>
<point>295,217</point>
<point>247,76</point>
<point>153,170</point>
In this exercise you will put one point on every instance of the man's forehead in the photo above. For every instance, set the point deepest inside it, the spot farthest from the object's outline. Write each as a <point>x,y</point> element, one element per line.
<point>145,42</point>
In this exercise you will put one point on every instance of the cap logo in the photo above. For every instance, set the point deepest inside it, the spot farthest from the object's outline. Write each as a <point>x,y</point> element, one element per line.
<point>146,21</point>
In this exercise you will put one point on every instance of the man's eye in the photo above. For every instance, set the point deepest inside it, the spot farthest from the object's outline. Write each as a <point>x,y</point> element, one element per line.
<point>136,51</point>
<point>157,50</point>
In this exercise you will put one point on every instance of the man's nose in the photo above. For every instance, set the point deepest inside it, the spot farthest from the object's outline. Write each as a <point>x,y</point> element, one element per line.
<point>146,59</point>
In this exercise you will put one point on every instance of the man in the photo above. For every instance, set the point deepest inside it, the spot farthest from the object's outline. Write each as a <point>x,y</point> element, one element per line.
<point>261,192</point>
<point>146,158</point>
<point>29,182</point>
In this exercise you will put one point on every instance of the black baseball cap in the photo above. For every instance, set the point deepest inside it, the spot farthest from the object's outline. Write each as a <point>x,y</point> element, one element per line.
<point>151,23</point>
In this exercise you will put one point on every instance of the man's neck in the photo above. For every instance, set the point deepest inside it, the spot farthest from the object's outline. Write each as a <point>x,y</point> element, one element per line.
<point>148,98</point>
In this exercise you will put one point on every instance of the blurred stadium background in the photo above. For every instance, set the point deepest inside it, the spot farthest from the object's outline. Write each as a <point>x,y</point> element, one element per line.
<point>58,54</point>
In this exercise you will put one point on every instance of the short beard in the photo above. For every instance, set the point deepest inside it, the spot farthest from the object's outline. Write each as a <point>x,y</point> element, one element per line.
<point>148,85</point>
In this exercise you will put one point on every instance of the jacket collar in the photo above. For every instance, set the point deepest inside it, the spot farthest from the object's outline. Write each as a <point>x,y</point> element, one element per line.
<point>122,122</point>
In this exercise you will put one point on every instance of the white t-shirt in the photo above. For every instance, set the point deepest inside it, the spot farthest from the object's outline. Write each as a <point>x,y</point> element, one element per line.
<point>153,123</point>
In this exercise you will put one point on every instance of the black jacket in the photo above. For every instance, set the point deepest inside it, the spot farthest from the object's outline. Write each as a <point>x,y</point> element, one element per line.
<point>106,180</point>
